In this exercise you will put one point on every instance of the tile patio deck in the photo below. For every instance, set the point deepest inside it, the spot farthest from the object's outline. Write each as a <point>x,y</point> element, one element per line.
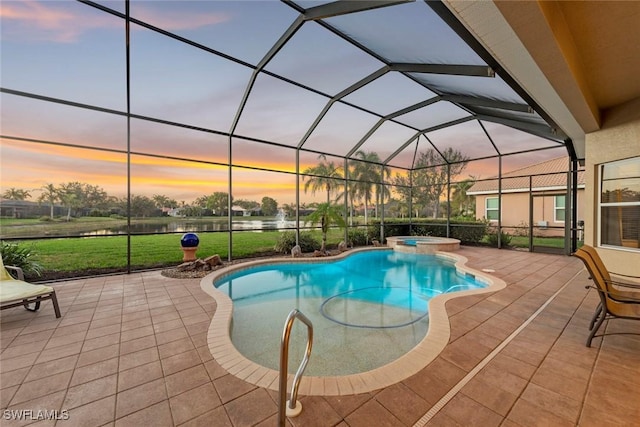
<point>132,350</point>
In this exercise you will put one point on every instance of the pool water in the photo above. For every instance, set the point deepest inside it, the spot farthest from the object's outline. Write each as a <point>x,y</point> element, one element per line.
<point>367,309</point>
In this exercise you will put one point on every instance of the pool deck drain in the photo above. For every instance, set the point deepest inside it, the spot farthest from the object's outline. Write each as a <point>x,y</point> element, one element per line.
<point>230,359</point>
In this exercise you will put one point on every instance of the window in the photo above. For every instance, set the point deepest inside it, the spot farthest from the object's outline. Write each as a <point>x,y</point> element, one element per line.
<point>491,208</point>
<point>619,204</point>
<point>558,208</point>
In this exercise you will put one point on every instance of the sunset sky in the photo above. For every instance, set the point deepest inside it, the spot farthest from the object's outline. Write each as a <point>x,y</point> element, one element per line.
<point>74,52</point>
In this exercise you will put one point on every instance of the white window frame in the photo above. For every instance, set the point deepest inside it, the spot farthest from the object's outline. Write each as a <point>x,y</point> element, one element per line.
<point>487,209</point>
<point>611,204</point>
<point>556,208</point>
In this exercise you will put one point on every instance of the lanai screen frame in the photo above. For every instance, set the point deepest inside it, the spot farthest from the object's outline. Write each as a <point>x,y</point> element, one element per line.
<point>479,109</point>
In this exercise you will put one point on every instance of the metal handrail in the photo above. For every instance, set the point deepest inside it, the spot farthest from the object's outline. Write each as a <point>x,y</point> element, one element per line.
<point>294,408</point>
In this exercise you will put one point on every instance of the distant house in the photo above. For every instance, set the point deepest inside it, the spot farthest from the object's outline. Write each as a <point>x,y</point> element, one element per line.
<point>240,211</point>
<point>545,184</point>
<point>176,212</point>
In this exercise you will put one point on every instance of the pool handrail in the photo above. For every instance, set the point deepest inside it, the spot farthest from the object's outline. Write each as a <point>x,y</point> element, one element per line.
<point>294,407</point>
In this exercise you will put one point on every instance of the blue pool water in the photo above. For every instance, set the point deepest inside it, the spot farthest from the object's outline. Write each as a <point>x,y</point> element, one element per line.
<point>367,309</point>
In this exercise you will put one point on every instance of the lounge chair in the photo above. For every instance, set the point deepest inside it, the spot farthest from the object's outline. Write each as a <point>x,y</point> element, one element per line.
<point>614,301</point>
<point>16,292</point>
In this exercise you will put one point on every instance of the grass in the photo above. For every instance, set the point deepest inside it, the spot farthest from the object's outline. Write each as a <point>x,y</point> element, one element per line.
<point>523,241</point>
<point>72,257</point>
<point>148,251</point>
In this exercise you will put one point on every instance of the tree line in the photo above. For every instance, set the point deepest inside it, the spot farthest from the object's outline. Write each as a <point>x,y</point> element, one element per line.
<point>368,184</point>
<point>367,190</point>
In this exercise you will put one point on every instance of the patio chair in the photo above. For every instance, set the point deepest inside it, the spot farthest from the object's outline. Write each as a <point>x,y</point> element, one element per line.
<point>617,294</point>
<point>614,302</point>
<point>15,292</point>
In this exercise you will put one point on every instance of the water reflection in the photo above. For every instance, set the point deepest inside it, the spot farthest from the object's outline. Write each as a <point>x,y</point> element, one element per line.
<point>191,227</point>
<point>147,227</point>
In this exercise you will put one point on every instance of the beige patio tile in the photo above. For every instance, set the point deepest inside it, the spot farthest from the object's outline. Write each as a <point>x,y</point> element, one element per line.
<point>178,362</point>
<point>51,368</point>
<point>137,358</point>
<point>96,370</point>
<point>90,391</point>
<point>370,414</point>
<point>96,413</point>
<point>41,387</point>
<point>139,375</point>
<point>158,415</point>
<point>251,408</point>
<point>186,380</point>
<point>462,408</point>
<point>93,356</point>
<point>194,403</point>
<point>140,397</point>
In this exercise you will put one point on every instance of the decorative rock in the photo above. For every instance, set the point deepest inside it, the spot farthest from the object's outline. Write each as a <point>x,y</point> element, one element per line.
<point>318,253</point>
<point>192,265</point>
<point>296,251</point>
<point>342,246</point>
<point>213,260</point>
<point>376,243</point>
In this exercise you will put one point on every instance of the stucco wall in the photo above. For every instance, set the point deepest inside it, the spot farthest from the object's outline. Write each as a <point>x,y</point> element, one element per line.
<point>515,211</point>
<point>618,139</point>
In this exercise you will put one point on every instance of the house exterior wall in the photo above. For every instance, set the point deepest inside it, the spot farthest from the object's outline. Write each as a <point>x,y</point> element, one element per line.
<point>618,139</point>
<point>515,211</point>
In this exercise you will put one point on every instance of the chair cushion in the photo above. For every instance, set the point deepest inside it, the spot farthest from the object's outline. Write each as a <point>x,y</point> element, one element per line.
<point>15,290</point>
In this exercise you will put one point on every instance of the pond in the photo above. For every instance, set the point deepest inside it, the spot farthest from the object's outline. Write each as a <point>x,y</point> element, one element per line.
<point>179,225</point>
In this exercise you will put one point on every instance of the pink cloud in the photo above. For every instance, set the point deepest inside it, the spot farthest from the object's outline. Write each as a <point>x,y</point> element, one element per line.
<point>66,22</point>
<point>179,19</point>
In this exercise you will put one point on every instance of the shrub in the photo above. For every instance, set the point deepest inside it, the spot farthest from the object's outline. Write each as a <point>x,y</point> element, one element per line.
<point>505,239</point>
<point>22,257</point>
<point>287,240</point>
<point>357,237</point>
<point>468,232</point>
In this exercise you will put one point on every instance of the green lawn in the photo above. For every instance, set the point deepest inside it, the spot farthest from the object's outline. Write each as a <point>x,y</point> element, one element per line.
<point>523,241</point>
<point>149,251</point>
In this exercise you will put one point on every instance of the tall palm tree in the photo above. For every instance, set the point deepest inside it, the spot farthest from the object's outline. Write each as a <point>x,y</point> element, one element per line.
<point>323,176</point>
<point>366,171</point>
<point>460,197</point>
<point>50,195</point>
<point>382,191</point>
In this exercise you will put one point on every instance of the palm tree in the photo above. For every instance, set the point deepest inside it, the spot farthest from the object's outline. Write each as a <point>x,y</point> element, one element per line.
<point>16,194</point>
<point>161,201</point>
<point>460,198</point>
<point>322,176</point>
<point>382,191</point>
<point>366,171</point>
<point>326,214</point>
<point>50,195</point>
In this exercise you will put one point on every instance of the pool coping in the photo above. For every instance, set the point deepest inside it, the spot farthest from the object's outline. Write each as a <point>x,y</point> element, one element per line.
<point>437,337</point>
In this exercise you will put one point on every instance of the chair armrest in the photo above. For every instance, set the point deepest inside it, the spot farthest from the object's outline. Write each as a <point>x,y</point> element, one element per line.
<point>624,284</point>
<point>617,297</point>
<point>18,271</point>
<point>624,275</point>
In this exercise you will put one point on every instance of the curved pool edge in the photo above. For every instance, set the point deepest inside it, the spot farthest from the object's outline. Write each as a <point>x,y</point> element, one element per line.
<point>231,360</point>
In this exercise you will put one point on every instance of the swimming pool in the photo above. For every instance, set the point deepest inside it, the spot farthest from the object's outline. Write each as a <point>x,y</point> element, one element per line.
<point>232,361</point>
<point>367,309</point>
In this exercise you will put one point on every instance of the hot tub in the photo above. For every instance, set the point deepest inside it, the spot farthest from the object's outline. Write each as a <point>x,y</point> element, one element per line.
<point>422,244</point>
